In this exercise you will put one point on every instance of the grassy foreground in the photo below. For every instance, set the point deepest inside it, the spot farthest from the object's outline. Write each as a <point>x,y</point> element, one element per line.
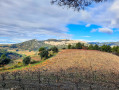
<point>68,70</point>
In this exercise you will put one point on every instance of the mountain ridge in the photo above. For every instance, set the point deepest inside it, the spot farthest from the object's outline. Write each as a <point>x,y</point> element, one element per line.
<point>35,44</point>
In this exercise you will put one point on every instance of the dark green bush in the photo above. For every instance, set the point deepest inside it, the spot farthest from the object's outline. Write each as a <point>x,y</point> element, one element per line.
<point>69,46</point>
<point>96,47</point>
<point>63,48</point>
<point>44,54</point>
<point>41,49</point>
<point>79,46</point>
<point>106,48</point>
<point>4,60</point>
<point>91,47</point>
<point>27,60</point>
<point>54,49</point>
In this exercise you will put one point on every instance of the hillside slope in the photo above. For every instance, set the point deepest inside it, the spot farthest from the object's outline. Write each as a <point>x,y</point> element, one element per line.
<point>85,59</point>
<point>81,72</point>
<point>11,55</point>
<point>36,44</point>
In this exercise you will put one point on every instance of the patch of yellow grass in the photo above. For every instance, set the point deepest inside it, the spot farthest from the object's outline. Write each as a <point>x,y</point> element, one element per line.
<point>24,52</point>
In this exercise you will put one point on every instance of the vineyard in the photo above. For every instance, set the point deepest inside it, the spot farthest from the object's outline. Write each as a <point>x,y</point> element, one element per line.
<point>68,70</point>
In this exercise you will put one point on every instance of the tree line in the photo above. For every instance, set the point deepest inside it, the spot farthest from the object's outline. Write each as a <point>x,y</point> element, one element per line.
<point>105,48</point>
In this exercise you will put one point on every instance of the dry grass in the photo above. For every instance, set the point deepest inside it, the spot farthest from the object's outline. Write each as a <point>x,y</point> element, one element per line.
<point>25,52</point>
<point>83,59</point>
<point>68,72</point>
<point>33,58</point>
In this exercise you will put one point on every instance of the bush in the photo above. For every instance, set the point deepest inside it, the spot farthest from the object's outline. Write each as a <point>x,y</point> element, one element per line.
<point>41,49</point>
<point>106,48</point>
<point>4,60</point>
<point>69,46</point>
<point>91,47</point>
<point>79,46</point>
<point>73,47</point>
<point>50,53</point>
<point>115,49</point>
<point>27,60</point>
<point>96,47</point>
<point>54,49</point>
<point>44,54</point>
<point>118,51</point>
<point>63,48</point>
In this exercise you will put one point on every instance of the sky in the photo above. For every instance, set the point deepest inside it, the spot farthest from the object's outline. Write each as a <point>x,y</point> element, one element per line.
<point>22,20</point>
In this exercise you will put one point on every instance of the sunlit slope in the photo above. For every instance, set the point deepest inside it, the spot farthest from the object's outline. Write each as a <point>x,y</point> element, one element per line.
<point>86,59</point>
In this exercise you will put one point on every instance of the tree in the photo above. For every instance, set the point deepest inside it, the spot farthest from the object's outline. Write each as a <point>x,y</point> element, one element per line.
<point>54,49</point>
<point>79,46</point>
<point>73,47</point>
<point>115,48</point>
<point>69,46</point>
<point>27,60</point>
<point>106,48</point>
<point>96,47</point>
<point>3,56</point>
<point>76,4</point>
<point>4,60</point>
<point>41,49</point>
<point>44,54</point>
<point>118,51</point>
<point>91,47</point>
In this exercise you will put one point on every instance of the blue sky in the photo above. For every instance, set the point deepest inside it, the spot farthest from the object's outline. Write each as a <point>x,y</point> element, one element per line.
<point>22,20</point>
<point>85,33</point>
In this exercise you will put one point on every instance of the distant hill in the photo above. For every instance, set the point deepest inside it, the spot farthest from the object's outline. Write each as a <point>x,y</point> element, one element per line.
<point>105,43</point>
<point>35,44</point>
<point>27,45</point>
<point>61,43</point>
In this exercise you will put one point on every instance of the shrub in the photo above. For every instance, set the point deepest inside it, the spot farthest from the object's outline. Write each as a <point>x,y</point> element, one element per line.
<point>106,48</point>
<point>118,51</point>
<point>27,60</point>
<point>90,47</point>
<point>114,49</point>
<point>69,46</point>
<point>41,49</point>
<point>63,48</point>
<point>96,47</point>
<point>79,46</point>
<point>51,53</point>
<point>4,60</point>
<point>44,54</point>
<point>73,47</point>
<point>54,49</point>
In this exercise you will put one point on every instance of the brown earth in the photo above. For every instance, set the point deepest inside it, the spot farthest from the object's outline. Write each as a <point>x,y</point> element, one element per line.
<point>96,60</point>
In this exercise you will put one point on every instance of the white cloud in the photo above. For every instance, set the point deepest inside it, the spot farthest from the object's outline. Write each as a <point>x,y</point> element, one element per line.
<point>86,36</point>
<point>106,30</point>
<point>88,25</point>
<point>34,19</point>
<point>103,30</point>
<point>105,14</point>
<point>28,19</point>
<point>94,30</point>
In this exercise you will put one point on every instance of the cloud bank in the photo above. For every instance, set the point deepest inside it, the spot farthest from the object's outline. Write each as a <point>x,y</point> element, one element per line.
<point>28,19</point>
